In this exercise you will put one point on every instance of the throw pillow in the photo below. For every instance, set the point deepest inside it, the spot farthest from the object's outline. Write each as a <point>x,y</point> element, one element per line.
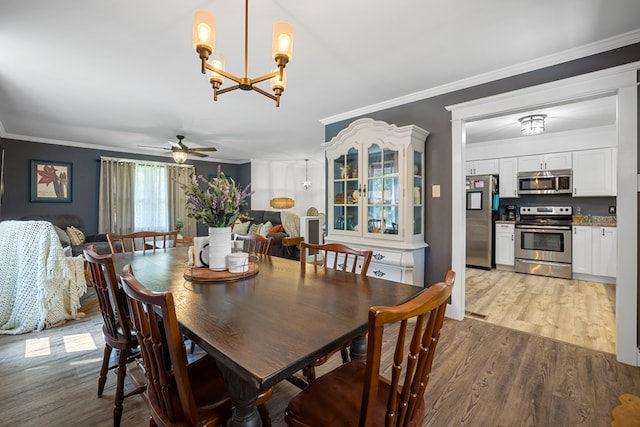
<point>255,228</point>
<point>265,228</point>
<point>278,228</point>
<point>241,227</point>
<point>75,236</point>
<point>63,236</point>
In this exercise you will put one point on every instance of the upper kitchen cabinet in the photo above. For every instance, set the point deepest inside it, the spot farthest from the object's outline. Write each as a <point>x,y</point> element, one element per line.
<point>594,172</point>
<point>482,167</point>
<point>551,161</point>
<point>508,180</point>
<point>376,195</point>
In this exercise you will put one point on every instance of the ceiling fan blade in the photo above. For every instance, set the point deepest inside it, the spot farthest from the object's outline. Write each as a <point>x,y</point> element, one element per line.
<point>204,149</point>
<point>195,153</point>
<point>154,147</point>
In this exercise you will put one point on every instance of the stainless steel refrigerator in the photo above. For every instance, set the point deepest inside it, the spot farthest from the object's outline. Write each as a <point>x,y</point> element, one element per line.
<point>482,202</point>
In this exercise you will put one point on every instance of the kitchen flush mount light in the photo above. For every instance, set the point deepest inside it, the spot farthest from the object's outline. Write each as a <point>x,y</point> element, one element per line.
<point>532,125</point>
<point>306,184</point>
<point>204,42</point>
<point>179,156</point>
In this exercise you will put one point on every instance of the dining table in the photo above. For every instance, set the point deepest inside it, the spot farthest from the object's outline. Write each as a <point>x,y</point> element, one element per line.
<point>265,325</point>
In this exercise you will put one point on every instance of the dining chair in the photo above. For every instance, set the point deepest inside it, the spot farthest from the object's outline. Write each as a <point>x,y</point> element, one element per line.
<point>142,240</point>
<point>338,257</point>
<point>255,243</point>
<point>356,394</point>
<point>179,393</point>
<point>117,331</point>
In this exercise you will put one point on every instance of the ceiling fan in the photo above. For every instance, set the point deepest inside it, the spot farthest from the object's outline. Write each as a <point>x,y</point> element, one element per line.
<point>180,151</point>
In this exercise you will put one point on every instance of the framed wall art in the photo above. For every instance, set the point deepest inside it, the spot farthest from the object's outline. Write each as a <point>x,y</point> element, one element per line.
<point>51,181</point>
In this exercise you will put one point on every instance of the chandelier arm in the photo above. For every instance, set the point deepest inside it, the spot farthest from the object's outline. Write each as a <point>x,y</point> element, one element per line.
<point>267,94</point>
<point>223,73</point>
<point>263,78</point>
<point>228,89</point>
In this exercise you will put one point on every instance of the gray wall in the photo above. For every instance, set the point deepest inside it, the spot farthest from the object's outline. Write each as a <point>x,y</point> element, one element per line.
<point>430,114</point>
<point>85,178</point>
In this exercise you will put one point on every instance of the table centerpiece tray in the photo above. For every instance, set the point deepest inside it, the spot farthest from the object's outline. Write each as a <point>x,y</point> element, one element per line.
<point>204,274</point>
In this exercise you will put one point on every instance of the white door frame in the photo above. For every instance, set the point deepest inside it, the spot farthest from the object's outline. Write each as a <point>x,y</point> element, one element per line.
<point>620,81</point>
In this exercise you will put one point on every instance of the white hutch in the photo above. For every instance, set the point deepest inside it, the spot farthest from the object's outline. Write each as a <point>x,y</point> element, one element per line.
<point>375,194</point>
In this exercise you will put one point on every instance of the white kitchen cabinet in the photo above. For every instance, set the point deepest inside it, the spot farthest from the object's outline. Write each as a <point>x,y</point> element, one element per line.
<point>604,251</point>
<point>594,250</point>
<point>482,167</point>
<point>550,161</point>
<point>508,179</point>
<point>505,236</point>
<point>581,248</point>
<point>594,172</point>
<point>376,196</point>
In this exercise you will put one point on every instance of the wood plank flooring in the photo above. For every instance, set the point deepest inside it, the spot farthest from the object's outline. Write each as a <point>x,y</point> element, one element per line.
<point>484,375</point>
<point>573,311</point>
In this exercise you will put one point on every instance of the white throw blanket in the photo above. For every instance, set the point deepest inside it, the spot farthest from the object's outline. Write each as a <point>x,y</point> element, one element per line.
<point>39,286</point>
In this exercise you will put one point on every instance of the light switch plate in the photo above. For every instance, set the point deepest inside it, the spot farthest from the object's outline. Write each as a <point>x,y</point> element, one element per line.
<point>435,190</point>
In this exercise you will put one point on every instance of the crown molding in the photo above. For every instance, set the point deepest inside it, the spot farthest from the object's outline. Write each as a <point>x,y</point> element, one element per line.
<point>610,43</point>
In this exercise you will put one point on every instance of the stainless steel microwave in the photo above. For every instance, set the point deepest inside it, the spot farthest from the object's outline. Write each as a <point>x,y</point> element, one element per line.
<point>545,182</point>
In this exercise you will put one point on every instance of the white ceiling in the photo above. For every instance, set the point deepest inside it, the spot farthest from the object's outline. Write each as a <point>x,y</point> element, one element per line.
<point>122,73</point>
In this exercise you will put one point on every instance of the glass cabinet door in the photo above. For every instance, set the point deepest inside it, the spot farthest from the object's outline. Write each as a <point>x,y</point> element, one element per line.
<point>418,192</point>
<point>383,192</point>
<point>346,191</point>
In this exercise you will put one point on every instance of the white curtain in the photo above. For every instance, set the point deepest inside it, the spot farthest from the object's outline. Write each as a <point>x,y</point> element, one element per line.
<point>115,205</point>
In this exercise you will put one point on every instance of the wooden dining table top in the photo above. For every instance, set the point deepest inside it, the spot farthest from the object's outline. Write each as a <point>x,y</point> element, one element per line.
<point>266,327</point>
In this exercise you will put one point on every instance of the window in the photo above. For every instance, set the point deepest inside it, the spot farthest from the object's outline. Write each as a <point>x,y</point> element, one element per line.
<point>151,198</point>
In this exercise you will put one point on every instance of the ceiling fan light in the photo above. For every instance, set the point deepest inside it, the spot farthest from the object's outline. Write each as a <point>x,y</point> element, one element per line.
<point>282,42</point>
<point>533,124</point>
<point>204,31</point>
<point>179,156</point>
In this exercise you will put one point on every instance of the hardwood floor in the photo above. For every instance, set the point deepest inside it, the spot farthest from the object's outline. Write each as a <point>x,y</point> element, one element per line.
<point>484,375</point>
<point>573,311</point>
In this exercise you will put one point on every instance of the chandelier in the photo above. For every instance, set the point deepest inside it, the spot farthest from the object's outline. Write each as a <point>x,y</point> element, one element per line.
<point>532,125</point>
<point>306,184</point>
<point>204,27</point>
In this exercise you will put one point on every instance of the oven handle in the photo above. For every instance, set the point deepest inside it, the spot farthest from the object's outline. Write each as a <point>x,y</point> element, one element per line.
<point>544,227</point>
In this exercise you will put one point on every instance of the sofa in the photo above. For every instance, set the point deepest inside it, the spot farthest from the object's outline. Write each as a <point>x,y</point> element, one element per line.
<point>290,223</point>
<point>62,222</point>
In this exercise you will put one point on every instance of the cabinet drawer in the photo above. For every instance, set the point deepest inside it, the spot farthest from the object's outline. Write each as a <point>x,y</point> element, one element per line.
<point>386,272</point>
<point>385,257</point>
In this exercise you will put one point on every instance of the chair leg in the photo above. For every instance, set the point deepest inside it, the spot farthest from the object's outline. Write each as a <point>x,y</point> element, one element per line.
<point>309,373</point>
<point>122,371</point>
<point>264,415</point>
<point>103,369</point>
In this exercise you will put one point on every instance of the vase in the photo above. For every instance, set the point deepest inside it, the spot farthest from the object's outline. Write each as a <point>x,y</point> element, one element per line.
<point>219,247</point>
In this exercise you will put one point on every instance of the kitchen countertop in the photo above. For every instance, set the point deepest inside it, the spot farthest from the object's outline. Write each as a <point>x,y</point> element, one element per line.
<point>596,220</point>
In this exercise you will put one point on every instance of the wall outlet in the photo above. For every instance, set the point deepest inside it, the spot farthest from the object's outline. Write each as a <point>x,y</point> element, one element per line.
<point>612,210</point>
<point>435,191</point>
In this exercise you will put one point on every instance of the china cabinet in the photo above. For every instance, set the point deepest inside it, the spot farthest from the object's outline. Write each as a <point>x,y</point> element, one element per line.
<point>375,195</point>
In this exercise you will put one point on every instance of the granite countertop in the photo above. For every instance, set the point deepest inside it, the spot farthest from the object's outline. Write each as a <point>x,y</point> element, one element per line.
<point>596,220</point>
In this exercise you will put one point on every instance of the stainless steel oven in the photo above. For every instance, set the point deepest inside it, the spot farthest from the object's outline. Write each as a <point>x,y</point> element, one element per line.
<point>543,241</point>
